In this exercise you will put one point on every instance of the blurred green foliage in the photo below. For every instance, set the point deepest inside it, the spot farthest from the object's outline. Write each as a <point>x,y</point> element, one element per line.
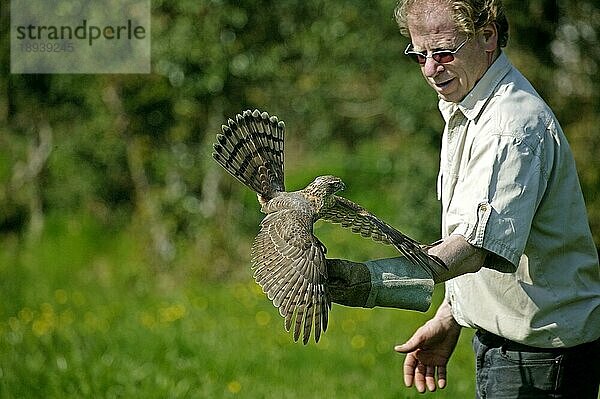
<point>135,148</point>
<point>127,159</point>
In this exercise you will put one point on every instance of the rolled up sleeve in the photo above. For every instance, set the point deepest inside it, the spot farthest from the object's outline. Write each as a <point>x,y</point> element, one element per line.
<point>493,206</point>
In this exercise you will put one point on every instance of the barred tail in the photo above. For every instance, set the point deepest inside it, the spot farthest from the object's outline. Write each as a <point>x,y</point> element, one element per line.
<point>251,149</point>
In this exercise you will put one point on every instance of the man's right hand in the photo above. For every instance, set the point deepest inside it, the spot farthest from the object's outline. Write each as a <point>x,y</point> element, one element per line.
<point>429,350</point>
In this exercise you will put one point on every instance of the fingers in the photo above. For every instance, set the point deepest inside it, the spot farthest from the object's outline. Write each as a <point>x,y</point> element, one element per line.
<point>413,370</point>
<point>441,377</point>
<point>410,364</point>
<point>422,376</point>
<point>417,373</point>
<point>425,378</point>
<point>430,378</point>
<point>420,382</point>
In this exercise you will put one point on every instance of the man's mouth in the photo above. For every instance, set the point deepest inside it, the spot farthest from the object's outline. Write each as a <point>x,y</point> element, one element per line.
<point>444,84</point>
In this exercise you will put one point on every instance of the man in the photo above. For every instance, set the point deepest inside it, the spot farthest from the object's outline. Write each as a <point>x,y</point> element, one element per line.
<point>523,268</point>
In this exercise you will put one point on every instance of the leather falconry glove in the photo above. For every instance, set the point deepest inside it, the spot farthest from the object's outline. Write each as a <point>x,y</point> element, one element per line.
<point>392,282</point>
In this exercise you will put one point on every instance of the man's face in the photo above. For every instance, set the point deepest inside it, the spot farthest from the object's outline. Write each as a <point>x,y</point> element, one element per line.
<point>431,28</point>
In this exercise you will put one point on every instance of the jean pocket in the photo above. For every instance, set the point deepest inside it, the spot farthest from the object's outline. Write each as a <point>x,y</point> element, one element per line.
<point>530,371</point>
<point>524,357</point>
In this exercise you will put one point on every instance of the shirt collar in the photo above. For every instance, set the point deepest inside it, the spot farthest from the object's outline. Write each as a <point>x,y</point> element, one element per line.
<point>473,103</point>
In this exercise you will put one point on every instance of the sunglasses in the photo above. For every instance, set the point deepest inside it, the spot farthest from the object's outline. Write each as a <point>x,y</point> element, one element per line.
<point>440,56</point>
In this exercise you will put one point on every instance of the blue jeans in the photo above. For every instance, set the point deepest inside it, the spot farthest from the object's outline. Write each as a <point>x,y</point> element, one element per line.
<point>505,369</point>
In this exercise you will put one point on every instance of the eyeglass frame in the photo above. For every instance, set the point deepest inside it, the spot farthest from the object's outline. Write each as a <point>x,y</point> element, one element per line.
<point>410,54</point>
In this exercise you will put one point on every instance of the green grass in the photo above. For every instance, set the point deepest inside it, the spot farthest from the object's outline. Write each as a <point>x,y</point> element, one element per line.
<point>82,315</point>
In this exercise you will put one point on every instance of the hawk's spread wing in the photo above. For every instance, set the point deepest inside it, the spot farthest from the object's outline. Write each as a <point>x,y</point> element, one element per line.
<point>289,265</point>
<point>363,222</point>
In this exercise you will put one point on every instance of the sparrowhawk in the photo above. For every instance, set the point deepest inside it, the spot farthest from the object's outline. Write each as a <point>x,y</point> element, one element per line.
<point>287,259</point>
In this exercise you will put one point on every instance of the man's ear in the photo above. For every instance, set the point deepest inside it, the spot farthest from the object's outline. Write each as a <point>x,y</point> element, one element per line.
<point>490,37</point>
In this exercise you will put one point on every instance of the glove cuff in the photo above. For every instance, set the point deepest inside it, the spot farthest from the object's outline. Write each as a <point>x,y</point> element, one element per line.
<point>398,283</point>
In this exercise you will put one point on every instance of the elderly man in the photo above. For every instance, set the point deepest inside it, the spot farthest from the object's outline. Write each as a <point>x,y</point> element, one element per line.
<point>522,266</point>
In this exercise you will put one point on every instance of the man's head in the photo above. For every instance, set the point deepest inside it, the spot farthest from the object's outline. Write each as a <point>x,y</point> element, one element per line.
<point>480,26</point>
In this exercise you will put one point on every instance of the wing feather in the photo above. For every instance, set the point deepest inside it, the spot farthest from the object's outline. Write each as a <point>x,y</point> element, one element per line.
<point>360,221</point>
<point>289,265</point>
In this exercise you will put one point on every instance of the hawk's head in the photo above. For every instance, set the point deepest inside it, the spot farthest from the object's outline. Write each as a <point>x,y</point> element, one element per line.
<point>326,185</point>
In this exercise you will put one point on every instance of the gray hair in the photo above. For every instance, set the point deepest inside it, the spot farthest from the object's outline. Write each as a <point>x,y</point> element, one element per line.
<point>470,16</point>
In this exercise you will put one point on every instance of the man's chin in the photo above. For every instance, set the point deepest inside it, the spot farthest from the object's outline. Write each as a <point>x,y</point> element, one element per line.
<point>447,90</point>
<point>452,97</point>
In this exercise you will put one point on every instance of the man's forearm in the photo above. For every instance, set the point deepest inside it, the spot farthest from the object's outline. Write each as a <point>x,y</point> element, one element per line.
<point>459,256</point>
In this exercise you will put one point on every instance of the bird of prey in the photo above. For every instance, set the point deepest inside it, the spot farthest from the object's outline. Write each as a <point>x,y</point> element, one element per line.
<point>287,259</point>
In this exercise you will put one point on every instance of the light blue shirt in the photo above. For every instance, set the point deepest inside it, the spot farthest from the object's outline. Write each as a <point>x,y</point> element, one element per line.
<point>508,184</point>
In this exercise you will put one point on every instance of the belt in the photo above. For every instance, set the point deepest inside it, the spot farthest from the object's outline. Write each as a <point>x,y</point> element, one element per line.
<point>495,341</point>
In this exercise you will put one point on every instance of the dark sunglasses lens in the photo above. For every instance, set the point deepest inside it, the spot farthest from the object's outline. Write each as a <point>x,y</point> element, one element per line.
<point>443,57</point>
<point>418,58</point>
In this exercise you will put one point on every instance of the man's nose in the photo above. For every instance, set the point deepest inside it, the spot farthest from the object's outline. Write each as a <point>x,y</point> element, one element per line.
<point>432,67</point>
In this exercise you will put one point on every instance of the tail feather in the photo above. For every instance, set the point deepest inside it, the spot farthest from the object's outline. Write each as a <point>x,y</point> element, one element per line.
<point>251,150</point>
